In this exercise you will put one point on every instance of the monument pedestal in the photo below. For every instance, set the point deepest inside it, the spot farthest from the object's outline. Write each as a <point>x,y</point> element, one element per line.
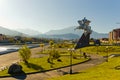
<point>83,41</point>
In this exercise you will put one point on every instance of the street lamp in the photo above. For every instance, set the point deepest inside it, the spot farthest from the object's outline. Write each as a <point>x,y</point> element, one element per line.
<point>107,53</point>
<point>97,47</point>
<point>71,50</point>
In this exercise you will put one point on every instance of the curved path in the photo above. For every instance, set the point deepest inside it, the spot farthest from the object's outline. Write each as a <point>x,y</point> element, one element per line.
<point>95,60</point>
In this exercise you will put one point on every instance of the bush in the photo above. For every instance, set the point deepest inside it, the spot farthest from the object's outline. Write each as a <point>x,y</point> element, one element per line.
<point>53,55</point>
<point>25,53</point>
<point>51,43</point>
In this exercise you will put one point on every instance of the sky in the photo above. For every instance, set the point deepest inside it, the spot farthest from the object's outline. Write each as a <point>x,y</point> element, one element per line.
<point>45,15</point>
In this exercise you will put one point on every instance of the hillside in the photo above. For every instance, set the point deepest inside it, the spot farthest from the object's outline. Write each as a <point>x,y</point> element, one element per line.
<point>66,33</point>
<point>10,32</point>
<point>59,36</point>
<point>77,32</point>
<point>30,32</point>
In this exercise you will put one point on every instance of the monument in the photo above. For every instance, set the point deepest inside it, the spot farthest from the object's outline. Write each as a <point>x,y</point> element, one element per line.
<point>84,39</point>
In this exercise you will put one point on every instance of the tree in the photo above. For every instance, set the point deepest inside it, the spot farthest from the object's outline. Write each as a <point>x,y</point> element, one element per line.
<point>42,46</point>
<point>11,40</point>
<point>53,55</point>
<point>25,53</point>
<point>51,43</point>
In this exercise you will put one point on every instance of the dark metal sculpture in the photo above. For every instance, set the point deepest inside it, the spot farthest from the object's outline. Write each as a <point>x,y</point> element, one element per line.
<point>84,40</point>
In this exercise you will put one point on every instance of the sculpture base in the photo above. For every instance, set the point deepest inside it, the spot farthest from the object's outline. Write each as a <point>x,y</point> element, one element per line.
<point>83,41</point>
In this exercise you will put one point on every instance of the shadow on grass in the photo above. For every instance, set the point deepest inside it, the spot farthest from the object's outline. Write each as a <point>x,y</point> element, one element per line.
<point>34,66</point>
<point>19,76</point>
<point>64,72</point>
<point>117,67</point>
<point>78,72</point>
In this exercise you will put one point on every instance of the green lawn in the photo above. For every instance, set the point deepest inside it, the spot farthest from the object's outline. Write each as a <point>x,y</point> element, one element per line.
<point>101,50</point>
<point>41,64</point>
<point>105,71</point>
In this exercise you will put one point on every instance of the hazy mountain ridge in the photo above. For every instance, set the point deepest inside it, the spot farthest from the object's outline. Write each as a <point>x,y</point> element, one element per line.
<point>10,32</point>
<point>77,32</point>
<point>66,33</point>
<point>30,32</point>
<point>66,36</point>
<point>59,36</point>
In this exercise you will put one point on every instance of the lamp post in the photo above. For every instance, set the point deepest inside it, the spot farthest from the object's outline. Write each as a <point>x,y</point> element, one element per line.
<point>107,53</point>
<point>97,48</point>
<point>71,50</point>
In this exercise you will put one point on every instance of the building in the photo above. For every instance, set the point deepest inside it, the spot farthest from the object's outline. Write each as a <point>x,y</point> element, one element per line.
<point>104,40</point>
<point>1,37</point>
<point>114,36</point>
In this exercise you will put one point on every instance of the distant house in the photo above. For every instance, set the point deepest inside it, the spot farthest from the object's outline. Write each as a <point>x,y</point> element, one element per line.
<point>2,37</point>
<point>17,38</point>
<point>104,40</point>
<point>97,42</point>
<point>114,36</point>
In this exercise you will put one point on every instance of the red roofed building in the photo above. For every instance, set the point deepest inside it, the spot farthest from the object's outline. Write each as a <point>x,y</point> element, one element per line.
<point>114,36</point>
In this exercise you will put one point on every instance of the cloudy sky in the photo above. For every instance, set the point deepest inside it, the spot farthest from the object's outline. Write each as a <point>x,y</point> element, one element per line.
<point>45,15</point>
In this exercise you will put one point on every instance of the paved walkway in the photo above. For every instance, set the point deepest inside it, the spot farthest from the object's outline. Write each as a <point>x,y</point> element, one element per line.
<point>95,60</point>
<point>9,58</point>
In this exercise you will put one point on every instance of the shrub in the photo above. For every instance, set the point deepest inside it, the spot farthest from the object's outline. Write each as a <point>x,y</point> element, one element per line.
<point>53,55</point>
<point>51,43</point>
<point>25,53</point>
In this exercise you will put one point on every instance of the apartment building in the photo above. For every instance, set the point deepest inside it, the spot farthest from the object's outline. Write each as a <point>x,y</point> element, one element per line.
<point>114,36</point>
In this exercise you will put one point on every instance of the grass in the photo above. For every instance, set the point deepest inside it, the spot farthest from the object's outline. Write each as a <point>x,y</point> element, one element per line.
<point>41,64</point>
<point>4,73</point>
<point>101,50</point>
<point>105,71</point>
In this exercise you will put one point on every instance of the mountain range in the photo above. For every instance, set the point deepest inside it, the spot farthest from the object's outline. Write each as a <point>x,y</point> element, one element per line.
<point>10,32</point>
<point>66,33</point>
<point>76,32</point>
<point>30,32</point>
